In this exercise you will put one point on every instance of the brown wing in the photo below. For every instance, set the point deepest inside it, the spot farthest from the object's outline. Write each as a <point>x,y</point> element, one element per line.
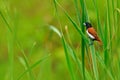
<point>93,32</point>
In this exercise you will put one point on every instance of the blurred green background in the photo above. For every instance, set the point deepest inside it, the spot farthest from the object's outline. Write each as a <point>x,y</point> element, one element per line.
<point>30,20</point>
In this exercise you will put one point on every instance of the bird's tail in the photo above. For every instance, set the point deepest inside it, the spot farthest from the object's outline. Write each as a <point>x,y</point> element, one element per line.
<point>100,42</point>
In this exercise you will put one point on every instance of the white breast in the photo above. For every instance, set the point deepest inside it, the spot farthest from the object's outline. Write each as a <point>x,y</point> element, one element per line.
<point>91,36</point>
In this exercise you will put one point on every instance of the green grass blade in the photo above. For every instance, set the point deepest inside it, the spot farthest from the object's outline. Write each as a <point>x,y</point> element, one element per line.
<point>72,53</point>
<point>30,75</point>
<point>68,60</point>
<point>7,24</point>
<point>77,28</point>
<point>56,31</point>
<point>117,32</point>
<point>13,34</point>
<point>110,30</point>
<point>73,22</point>
<point>105,41</point>
<point>57,14</point>
<point>94,62</point>
<point>33,66</point>
<point>118,10</point>
<point>104,66</point>
<point>82,41</point>
<point>80,32</point>
<point>113,14</point>
<point>25,60</point>
<point>98,18</point>
<point>83,37</point>
<point>77,11</point>
<point>66,52</point>
<point>32,48</point>
<point>10,42</point>
<point>78,62</point>
<point>119,67</point>
<point>85,18</point>
<point>10,55</point>
<point>109,21</point>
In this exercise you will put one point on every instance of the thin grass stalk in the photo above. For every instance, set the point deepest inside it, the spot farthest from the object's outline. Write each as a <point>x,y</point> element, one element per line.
<point>119,68</point>
<point>94,62</point>
<point>66,52</point>
<point>98,18</point>
<point>33,66</point>
<point>113,15</point>
<point>113,31</point>
<point>10,45</point>
<point>110,33</point>
<point>74,23</point>
<point>76,59</point>
<point>11,55</point>
<point>68,60</point>
<point>117,17</point>
<point>78,62</point>
<point>31,76</point>
<point>57,13</point>
<point>84,11</point>
<point>83,55</point>
<point>105,40</point>
<point>106,45</point>
<point>68,35</point>
<point>95,70</point>
<point>116,21</point>
<point>84,19</point>
<point>89,59</point>
<point>13,34</point>
<point>77,28</point>
<point>82,41</point>
<point>117,32</point>
<point>109,21</point>
<point>65,49</point>
<point>7,24</point>
<point>77,11</point>
<point>104,66</point>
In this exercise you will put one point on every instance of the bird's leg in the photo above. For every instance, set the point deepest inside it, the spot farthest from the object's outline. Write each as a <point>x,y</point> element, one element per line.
<point>91,42</point>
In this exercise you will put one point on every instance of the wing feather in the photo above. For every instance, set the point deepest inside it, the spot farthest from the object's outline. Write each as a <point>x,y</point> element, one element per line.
<point>93,33</point>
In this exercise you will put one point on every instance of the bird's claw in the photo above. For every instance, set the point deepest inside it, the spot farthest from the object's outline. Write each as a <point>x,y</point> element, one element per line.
<point>91,43</point>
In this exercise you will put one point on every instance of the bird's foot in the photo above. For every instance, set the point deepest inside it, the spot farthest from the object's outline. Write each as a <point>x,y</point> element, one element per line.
<point>91,43</point>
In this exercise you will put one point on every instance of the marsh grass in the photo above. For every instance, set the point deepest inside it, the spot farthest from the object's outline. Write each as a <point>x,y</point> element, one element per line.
<point>100,65</point>
<point>12,41</point>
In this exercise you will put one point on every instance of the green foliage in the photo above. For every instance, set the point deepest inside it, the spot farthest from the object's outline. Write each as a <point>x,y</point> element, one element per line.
<point>105,34</point>
<point>31,51</point>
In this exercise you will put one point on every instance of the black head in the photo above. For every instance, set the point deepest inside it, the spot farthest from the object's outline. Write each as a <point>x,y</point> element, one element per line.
<point>87,24</point>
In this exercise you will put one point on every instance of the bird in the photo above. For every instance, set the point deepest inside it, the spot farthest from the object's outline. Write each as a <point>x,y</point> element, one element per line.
<point>91,32</point>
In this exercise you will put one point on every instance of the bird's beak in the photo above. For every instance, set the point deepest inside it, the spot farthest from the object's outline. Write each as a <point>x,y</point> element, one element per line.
<point>84,24</point>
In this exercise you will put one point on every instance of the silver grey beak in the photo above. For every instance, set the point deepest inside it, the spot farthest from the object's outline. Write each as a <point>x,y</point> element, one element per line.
<point>84,24</point>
